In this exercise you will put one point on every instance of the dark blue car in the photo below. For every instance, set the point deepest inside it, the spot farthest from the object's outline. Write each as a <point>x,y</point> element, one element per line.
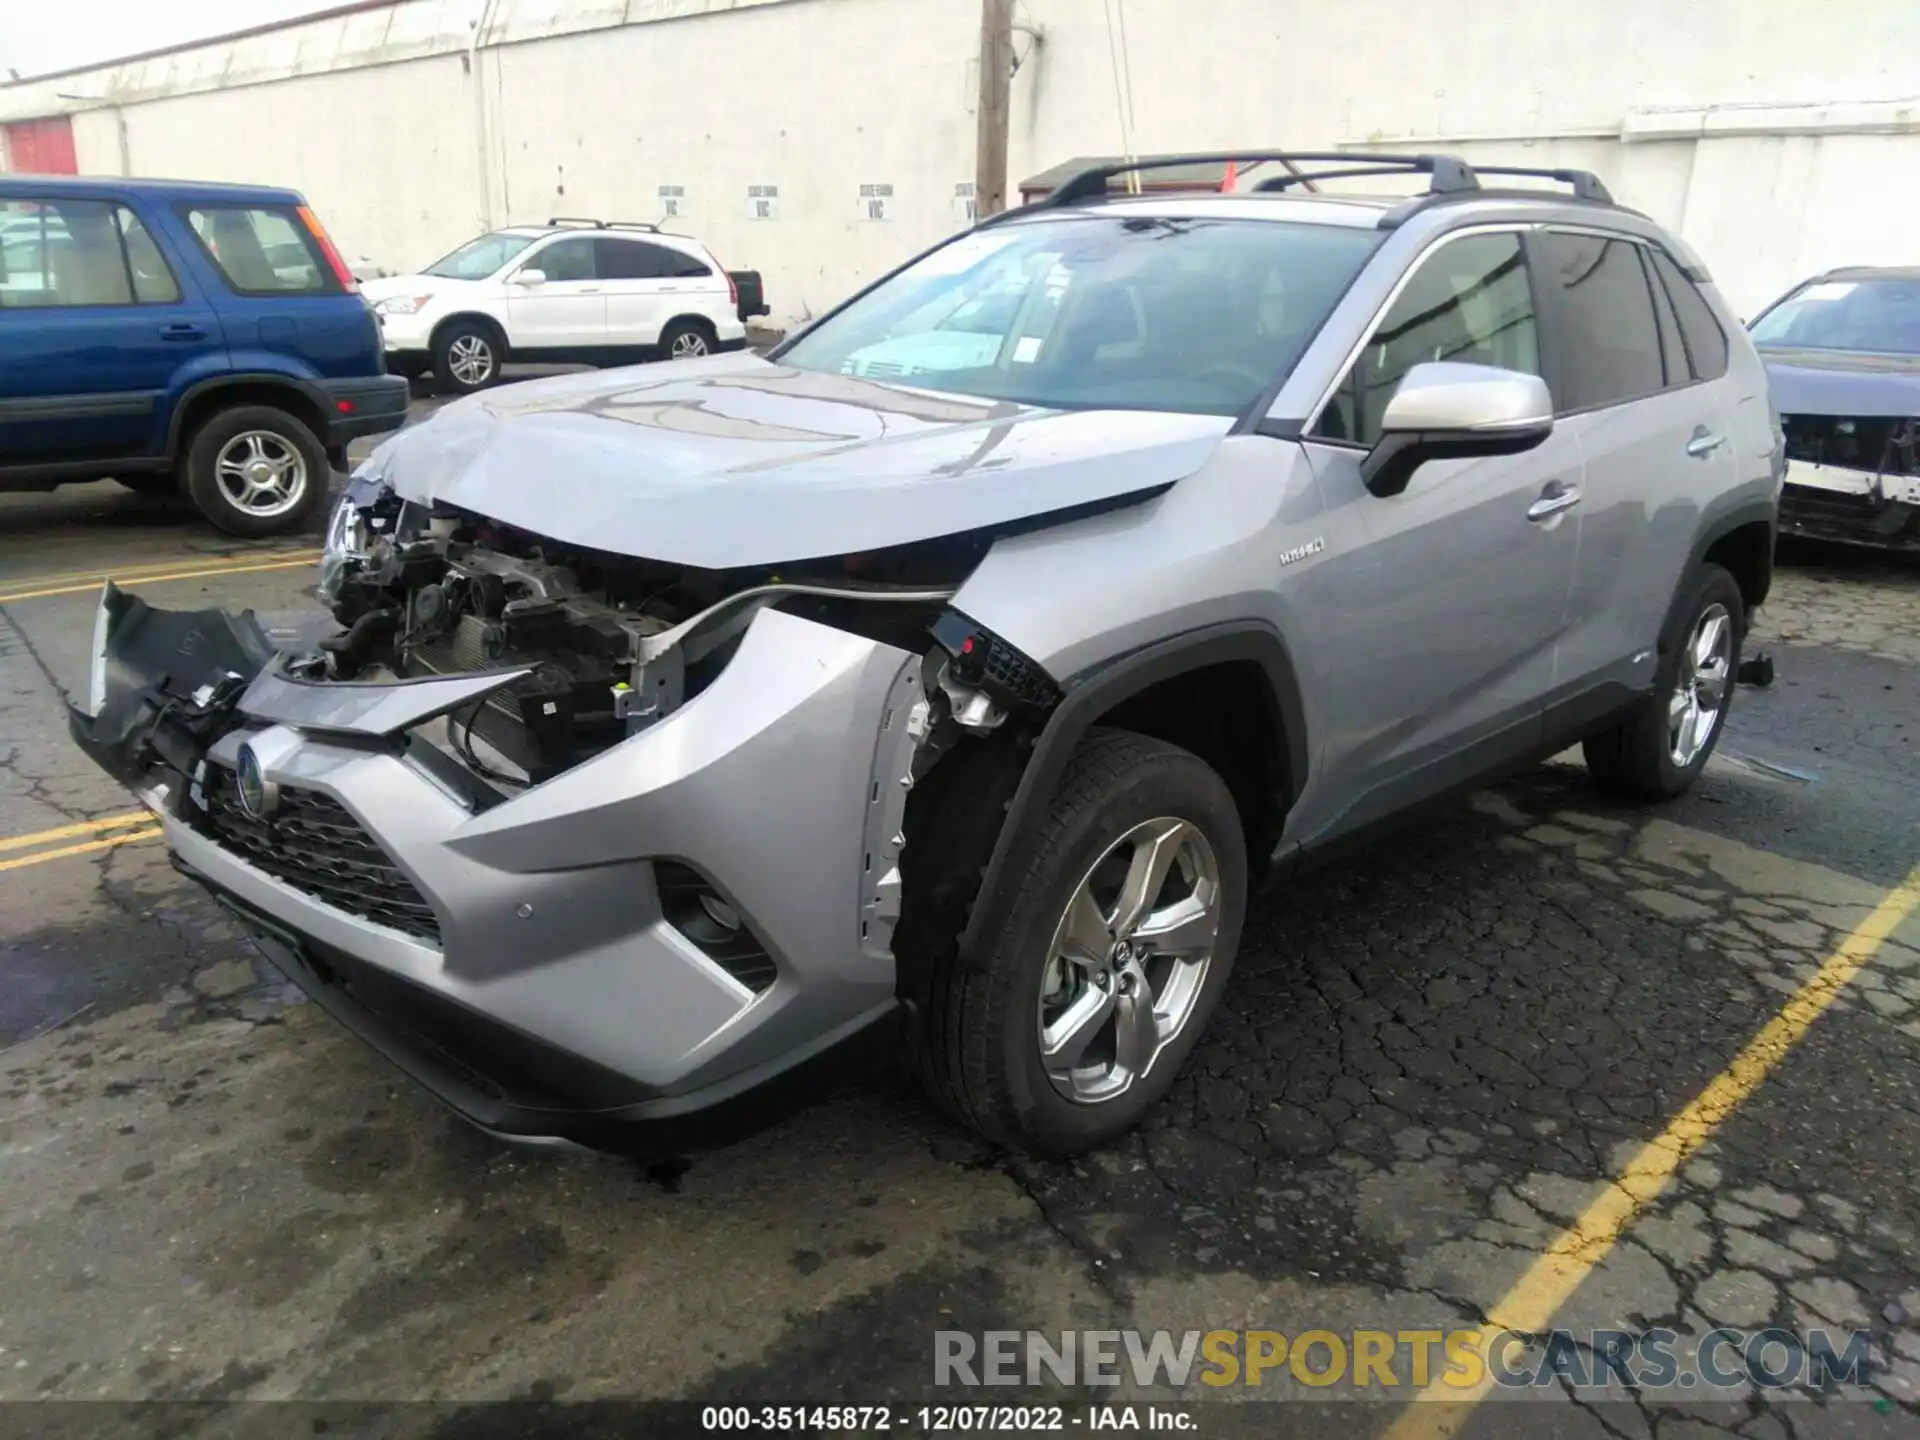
<point>178,335</point>
<point>1843,361</point>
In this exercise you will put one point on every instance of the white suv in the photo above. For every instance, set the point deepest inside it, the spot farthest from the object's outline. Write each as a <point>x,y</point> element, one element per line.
<point>579,290</point>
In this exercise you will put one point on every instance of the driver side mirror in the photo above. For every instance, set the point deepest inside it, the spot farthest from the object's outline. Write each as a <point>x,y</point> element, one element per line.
<point>529,276</point>
<point>1445,410</point>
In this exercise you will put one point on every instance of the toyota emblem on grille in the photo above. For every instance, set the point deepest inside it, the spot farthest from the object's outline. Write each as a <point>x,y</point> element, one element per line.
<point>257,796</point>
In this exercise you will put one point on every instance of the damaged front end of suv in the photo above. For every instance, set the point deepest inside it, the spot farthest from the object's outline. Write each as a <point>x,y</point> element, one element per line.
<point>599,848</point>
<point>583,843</point>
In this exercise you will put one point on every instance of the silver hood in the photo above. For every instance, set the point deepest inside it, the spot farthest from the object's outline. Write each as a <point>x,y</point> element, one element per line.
<point>734,461</point>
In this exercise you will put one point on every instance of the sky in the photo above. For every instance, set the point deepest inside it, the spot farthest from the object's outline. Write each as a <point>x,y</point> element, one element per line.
<point>42,35</point>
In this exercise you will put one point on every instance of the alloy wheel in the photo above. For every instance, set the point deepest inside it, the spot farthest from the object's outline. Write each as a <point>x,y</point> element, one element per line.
<point>470,358</point>
<point>1700,688</point>
<point>261,473</point>
<point>1128,959</point>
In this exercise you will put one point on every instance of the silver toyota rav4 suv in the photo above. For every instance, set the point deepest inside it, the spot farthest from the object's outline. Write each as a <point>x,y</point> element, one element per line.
<point>954,671</point>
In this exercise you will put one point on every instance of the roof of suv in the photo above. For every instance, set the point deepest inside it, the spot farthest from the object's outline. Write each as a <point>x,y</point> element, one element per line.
<point>1454,195</point>
<point>1449,180</point>
<point>80,186</point>
<point>614,228</point>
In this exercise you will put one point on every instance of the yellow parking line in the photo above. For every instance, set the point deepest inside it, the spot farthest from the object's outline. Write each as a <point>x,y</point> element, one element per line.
<point>1529,1307</point>
<point>10,597</point>
<point>22,861</point>
<point>166,562</point>
<point>163,562</point>
<point>83,827</point>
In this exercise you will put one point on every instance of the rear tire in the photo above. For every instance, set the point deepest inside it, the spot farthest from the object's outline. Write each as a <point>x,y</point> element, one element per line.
<point>687,340</point>
<point>256,471</point>
<point>467,356</point>
<point>978,1045</point>
<point>1659,750</point>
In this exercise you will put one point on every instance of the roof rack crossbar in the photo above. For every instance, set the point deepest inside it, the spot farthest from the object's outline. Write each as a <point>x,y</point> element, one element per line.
<point>586,223</point>
<point>1447,184</point>
<point>1585,184</point>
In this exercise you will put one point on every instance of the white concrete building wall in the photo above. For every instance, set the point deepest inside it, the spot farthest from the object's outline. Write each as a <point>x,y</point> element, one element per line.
<point>1779,137</point>
<point>816,98</point>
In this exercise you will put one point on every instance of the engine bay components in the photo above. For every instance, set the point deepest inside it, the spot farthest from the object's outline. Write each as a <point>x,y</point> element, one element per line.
<point>611,644</point>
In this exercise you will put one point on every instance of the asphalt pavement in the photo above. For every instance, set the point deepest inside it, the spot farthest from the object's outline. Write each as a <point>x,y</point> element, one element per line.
<point>1434,1056</point>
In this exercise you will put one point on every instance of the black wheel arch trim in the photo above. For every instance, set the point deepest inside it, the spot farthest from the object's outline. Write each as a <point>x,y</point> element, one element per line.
<point>1716,525</point>
<point>307,390</point>
<point>1096,691</point>
<point>477,320</point>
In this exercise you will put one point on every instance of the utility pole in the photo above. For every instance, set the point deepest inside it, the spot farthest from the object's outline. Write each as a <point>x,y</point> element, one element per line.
<point>996,95</point>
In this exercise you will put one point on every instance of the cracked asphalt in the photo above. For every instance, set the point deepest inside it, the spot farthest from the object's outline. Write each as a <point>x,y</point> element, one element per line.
<point>1432,1055</point>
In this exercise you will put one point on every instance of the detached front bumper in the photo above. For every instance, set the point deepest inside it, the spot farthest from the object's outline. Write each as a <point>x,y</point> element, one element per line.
<point>521,956</point>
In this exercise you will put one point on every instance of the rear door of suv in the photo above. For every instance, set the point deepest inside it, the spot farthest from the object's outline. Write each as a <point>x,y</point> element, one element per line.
<point>99,322</point>
<point>286,301</point>
<point>648,284</point>
<point>1656,433</point>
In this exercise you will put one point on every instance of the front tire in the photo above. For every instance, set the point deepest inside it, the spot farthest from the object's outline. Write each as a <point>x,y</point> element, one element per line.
<point>467,357</point>
<point>1659,750</point>
<point>256,471</point>
<point>1101,973</point>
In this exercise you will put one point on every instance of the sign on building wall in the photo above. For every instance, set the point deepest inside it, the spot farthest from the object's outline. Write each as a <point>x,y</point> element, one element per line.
<point>763,202</point>
<point>673,201</point>
<point>876,202</point>
<point>964,212</point>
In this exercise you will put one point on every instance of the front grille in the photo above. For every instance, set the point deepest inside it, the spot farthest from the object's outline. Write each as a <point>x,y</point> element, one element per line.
<point>313,843</point>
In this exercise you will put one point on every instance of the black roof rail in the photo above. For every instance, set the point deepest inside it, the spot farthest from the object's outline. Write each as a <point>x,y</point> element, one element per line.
<point>1449,173</point>
<point>585,223</point>
<point>1450,177</point>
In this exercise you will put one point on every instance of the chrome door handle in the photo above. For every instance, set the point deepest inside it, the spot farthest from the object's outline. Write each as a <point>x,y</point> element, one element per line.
<point>1556,497</point>
<point>588,290</point>
<point>1704,443</point>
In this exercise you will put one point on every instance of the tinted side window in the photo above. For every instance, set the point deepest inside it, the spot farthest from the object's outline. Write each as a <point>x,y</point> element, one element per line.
<point>642,260</point>
<point>684,266</point>
<point>1673,354</point>
<point>1469,301</point>
<point>1706,341</point>
<point>569,259</point>
<point>632,260</point>
<point>261,250</point>
<point>1610,341</point>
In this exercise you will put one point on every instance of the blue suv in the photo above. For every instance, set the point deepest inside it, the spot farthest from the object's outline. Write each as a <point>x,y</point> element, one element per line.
<point>178,335</point>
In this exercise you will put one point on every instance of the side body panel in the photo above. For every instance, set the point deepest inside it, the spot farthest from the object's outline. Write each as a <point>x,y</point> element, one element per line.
<point>1439,625</point>
<point>1644,499</point>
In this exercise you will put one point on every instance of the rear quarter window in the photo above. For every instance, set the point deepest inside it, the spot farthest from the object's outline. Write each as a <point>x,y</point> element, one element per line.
<point>261,250</point>
<point>1706,342</point>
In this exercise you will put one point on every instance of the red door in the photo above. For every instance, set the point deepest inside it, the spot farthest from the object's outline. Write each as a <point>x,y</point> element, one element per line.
<point>42,147</point>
